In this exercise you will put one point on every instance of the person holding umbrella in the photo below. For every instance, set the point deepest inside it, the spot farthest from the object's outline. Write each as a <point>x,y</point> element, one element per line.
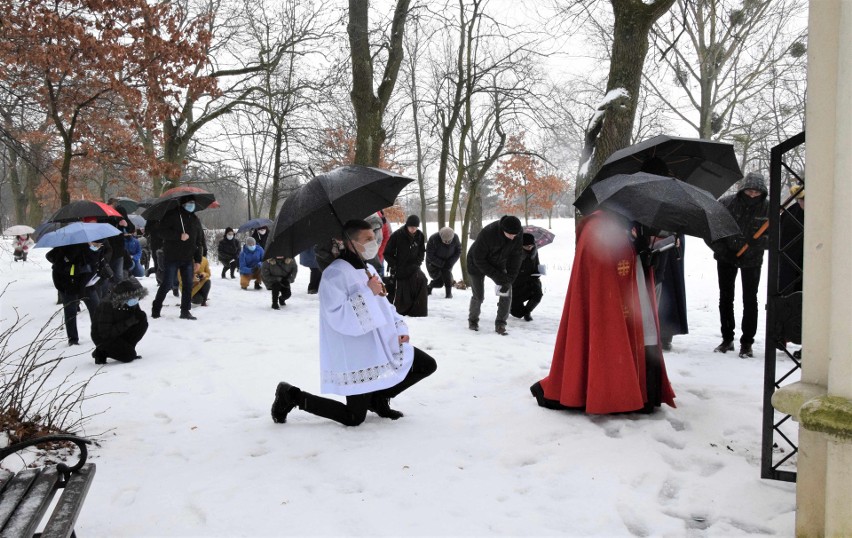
<point>607,356</point>
<point>365,349</point>
<point>442,252</point>
<point>182,239</point>
<point>526,289</point>
<point>77,268</point>
<point>22,246</point>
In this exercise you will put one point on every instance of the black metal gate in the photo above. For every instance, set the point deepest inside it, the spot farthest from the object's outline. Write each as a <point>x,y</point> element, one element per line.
<point>783,312</point>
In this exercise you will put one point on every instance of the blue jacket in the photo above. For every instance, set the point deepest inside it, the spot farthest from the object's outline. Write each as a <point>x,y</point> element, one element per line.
<point>308,258</point>
<point>250,260</point>
<point>132,246</point>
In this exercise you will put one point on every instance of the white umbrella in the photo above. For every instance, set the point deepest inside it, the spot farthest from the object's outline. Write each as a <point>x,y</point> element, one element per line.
<point>18,229</point>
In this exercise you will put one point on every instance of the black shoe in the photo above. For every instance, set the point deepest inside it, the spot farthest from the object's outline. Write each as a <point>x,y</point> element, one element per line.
<point>312,292</point>
<point>667,346</point>
<point>473,325</point>
<point>275,306</point>
<point>286,396</point>
<point>449,295</point>
<point>257,285</point>
<point>746,352</point>
<point>175,293</point>
<point>232,275</point>
<point>73,342</point>
<point>501,330</point>
<point>527,317</point>
<point>724,347</point>
<point>187,315</point>
<point>100,357</point>
<point>381,407</point>
<point>428,290</point>
<point>155,312</point>
<point>797,354</point>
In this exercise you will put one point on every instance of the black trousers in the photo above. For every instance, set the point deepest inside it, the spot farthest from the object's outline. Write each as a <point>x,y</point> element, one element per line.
<point>186,269</point>
<point>750,282</point>
<point>525,298</point>
<point>316,276</point>
<point>71,304</point>
<point>441,276</point>
<point>354,411</point>
<point>229,266</point>
<point>281,292</point>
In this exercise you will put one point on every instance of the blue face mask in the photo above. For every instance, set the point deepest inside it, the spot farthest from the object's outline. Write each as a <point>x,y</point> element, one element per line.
<point>189,206</point>
<point>251,247</point>
<point>132,302</point>
<point>94,248</point>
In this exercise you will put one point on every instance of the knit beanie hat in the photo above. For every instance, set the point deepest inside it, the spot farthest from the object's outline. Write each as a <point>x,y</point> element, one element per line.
<point>413,220</point>
<point>251,241</point>
<point>510,224</point>
<point>446,234</point>
<point>529,239</point>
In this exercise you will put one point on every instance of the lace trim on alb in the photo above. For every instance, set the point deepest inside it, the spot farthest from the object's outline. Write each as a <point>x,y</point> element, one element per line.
<point>359,305</point>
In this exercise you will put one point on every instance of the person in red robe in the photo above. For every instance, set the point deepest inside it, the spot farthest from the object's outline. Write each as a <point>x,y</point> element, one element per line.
<point>607,357</point>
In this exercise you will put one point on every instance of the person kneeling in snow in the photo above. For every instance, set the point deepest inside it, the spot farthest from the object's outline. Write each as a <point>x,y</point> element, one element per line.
<point>365,352</point>
<point>277,274</point>
<point>119,324</point>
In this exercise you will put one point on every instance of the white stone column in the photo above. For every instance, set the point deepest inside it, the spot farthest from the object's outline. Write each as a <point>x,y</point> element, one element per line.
<point>824,488</point>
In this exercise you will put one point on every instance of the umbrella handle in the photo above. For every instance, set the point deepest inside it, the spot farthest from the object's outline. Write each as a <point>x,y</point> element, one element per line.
<point>369,276</point>
<point>765,225</point>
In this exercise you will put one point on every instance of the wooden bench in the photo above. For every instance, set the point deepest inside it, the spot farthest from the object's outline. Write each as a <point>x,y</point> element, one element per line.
<point>25,496</point>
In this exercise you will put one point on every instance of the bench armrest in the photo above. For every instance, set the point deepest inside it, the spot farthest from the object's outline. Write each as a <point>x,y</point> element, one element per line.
<point>63,469</point>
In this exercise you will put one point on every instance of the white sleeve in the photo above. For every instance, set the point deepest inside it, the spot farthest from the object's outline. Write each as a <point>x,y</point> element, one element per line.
<point>350,312</point>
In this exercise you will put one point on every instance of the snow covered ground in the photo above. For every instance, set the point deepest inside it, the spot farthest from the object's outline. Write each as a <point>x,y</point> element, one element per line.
<point>192,451</point>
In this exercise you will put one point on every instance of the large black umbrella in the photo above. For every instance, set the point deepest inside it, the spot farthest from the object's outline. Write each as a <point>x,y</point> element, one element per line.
<point>172,200</point>
<point>80,209</point>
<point>706,164</point>
<point>254,224</point>
<point>316,212</point>
<point>661,202</point>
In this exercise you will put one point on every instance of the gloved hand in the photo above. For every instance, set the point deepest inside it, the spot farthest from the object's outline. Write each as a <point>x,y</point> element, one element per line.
<point>505,288</point>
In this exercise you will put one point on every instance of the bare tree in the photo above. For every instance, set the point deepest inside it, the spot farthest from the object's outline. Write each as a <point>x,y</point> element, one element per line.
<point>370,105</point>
<point>721,54</point>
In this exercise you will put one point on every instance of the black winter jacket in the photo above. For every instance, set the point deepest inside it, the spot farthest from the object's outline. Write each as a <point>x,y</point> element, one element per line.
<point>175,223</point>
<point>495,255</point>
<point>750,214</point>
<point>441,254</point>
<point>529,267</point>
<point>275,271</point>
<point>75,265</point>
<point>229,249</point>
<point>112,321</point>
<point>404,253</point>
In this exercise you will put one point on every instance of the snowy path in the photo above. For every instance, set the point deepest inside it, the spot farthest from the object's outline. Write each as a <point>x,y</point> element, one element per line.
<point>192,450</point>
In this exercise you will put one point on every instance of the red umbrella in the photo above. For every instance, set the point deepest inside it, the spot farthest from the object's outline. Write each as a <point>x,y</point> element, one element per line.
<point>80,209</point>
<point>189,189</point>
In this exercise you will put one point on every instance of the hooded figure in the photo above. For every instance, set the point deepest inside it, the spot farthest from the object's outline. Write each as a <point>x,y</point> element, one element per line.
<point>495,254</point>
<point>119,323</point>
<point>607,356</point>
<point>742,253</point>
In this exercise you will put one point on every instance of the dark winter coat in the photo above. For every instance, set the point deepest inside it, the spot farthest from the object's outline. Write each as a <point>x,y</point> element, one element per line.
<point>528,268</point>
<point>275,271</point>
<point>750,214</point>
<point>405,253</point>
<point>260,238</point>
<point>495,255</point>
<point>113,317</point>
<point>440,254</point>
<point>116,242</point>
<point>671,291</point>
<point>229,249</point>
<point>175,223</point>
<point>75,265</point>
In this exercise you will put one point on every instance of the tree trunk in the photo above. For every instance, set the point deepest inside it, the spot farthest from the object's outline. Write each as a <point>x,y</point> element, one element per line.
<point>370,107</point>
<point>633,22</point>
<point>274,195</point>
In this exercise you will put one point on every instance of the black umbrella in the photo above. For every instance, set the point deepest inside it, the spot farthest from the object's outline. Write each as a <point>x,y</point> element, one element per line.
<point>129,204</point>
<point>316,212</point>
<point>706,164</point>
<point>169,201</point>
<point>661,202</point>
<point>80,209</point>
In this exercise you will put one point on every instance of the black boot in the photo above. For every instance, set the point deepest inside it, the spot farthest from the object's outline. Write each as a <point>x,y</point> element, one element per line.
<point>449,294</point>
<point>100,356</point>
<point>724,347</point>
<point>381,407</point>
<point>275,299</point>
<point>286,398</point>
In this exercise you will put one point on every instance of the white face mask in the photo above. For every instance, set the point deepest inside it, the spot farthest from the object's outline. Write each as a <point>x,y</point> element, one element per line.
<point>262,232</point>
<point>230,236</point>
<point>371,250</point>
